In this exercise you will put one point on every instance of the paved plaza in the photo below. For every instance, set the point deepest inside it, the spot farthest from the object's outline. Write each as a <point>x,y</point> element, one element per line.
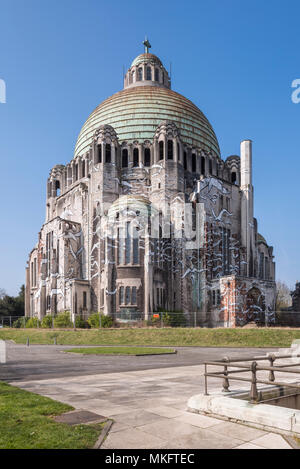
<point>145,396</point>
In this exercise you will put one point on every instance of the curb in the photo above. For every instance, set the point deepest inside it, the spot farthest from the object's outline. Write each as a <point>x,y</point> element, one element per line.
<point>103,434</point>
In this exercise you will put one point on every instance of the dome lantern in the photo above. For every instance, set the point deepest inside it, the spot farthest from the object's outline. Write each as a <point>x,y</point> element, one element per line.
<point>147,70</point>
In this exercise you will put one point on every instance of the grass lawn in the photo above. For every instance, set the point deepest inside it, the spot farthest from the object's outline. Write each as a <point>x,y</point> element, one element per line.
<point>121,351</point>
<point>261,337</point>
<point>25,423</point>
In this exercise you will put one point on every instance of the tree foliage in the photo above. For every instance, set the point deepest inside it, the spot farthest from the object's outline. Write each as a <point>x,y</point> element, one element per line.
<point>283,296</point>
<point>12,305</point>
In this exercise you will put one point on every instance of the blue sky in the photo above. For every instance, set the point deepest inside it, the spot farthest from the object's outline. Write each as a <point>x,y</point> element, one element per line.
<point>234,59</point>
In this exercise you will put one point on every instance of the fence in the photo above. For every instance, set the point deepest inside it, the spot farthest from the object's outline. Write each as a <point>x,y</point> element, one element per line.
<point>253,368</point>
<point>127,317</point>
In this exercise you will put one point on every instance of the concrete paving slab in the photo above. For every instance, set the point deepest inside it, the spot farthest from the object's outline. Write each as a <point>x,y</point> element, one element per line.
<point>241,432</point>
<point>248,446</point>
<point>205,439</point>
<point>165,411</point>
<point>197,420</point>
<point>164,428</point>
<point>271,441</point>
<point>131,439</point>
<point>138,417</point>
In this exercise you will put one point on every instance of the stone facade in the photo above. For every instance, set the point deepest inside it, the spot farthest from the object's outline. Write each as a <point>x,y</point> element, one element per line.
<point>148,216</point>
<point>296,298</point>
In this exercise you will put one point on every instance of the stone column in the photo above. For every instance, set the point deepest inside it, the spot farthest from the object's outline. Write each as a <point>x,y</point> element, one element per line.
<point>42,311</point>
<point>175,150</point>
<point>148,279</point>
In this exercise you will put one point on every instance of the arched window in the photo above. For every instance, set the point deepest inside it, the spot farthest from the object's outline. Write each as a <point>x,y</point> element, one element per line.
<point>202,165</point>
<point>161,150</point>
<point>233,177</point>
<point>148,73</point>
<point>194,167</point>
<point>170,149</point>
<point>125,158</point>
<point>140,74</point>
<point>76,172</point>
<point>185,160</point>
<point>99,154</point>
<point>108,153</point>
<point>210,166</point>
<point>156,74</point>
<point>135,157</point>
<point>57,188</point>
<point>147,157</point>
<point>83,168</point>
<point>130,78</point>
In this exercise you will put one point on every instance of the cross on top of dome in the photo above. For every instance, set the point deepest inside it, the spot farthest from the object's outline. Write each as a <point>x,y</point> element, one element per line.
<point>147,45</point>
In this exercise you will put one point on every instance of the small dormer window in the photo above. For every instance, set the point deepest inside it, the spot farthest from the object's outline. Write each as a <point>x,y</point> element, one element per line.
<point>185,160</point>
<point>233,177</point>
<point>135,157</point>
<point>99,153</point>
<point>156,74</point>
<point>147,157</point>
<point>140,74</point>
<point>193,163</point>
<point>202,165</point>
<point>107,153</point>
<point>148,73</point>
<point>161,150</point>
<point>170,149</point>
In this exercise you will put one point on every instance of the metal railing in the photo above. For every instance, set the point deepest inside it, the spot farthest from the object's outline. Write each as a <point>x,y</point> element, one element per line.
<point>253,368</point>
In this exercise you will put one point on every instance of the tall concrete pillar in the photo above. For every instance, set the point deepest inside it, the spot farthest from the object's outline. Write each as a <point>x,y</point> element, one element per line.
<point>247,202</point>
<point>42,309</point>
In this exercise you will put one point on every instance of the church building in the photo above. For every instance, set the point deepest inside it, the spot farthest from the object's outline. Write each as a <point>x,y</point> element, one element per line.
<point>149,217</point>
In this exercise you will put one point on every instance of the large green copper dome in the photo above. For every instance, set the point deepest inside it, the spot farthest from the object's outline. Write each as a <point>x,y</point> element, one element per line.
<point>136,112</point>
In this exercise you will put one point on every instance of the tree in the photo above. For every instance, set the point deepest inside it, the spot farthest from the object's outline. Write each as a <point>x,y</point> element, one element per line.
<point>12,305</point>
<point>283,296</point>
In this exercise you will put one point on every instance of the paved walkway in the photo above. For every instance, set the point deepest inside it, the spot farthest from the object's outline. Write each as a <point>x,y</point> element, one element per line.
<point>149,409</point>
<point>48,361</point>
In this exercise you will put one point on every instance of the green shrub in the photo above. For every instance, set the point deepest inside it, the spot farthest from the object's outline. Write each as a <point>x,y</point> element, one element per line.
<point>63,320</point>
<point>177,319</point>
<point>47,321</point>
<point>33,322</point>
<point>81,323</point>
<point>169,319</point>
<point>20,322</point>
<point>94,320</point>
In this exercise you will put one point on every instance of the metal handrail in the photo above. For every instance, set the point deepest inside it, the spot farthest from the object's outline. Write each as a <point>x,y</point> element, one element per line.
<point>252,367</point>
